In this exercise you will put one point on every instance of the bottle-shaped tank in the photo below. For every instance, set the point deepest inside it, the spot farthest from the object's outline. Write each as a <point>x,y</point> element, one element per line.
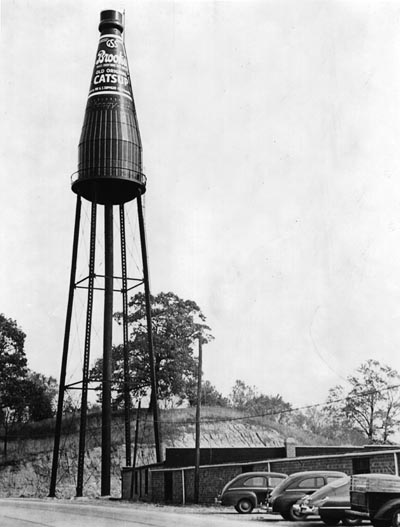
<point>110,150</point>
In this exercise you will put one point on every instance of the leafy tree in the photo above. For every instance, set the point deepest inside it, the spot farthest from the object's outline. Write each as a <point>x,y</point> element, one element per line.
<point>177,325</point>
<point>39,392</point>
<point>210,396</point>
<point>273,405</point>
<point>247,398</point>
<point>24,394</point>
<point>242,395</point>
<point>137,385</point>
<point>323,422</point>
<point>13,367</point>
<point>372,404</point>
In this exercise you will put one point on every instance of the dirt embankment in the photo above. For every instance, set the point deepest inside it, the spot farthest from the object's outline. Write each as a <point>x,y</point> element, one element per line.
<point>27,468</point>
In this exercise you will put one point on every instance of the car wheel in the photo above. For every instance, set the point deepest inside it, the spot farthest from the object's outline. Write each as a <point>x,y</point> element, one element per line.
<point>396,517</point>
<point>380,523</point>
<point>244,506</point>
<point>350,522</point>
<point>329,520</point>
<point>292,515</point>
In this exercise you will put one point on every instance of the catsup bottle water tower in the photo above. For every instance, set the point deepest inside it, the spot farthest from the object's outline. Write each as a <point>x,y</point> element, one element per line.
<point>109,175</point>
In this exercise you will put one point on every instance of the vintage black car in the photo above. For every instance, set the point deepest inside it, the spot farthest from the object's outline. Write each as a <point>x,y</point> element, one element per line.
<point>249,490</point>
<point>376,497</point>
<point>284,497</point>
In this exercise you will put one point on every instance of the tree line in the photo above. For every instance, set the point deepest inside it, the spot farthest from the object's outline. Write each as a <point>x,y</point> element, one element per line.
<point>25,395</point>
<point>365,409</point>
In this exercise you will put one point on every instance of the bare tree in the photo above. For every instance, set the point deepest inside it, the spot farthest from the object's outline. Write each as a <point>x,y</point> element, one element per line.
<point>372,404</point>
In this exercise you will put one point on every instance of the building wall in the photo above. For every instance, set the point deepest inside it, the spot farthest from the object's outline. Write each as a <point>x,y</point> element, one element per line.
<point>289,466</point>
<point>326,450</point>
<point>157,487</point>
<point>126,477</point>
<point>185,457</point>
<point>211,481</point>
<point>213,478</point>
<point>178,483</point>
<point>383,464</point>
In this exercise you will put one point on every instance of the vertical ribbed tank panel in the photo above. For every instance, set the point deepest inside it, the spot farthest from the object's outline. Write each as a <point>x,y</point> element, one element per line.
<point>110,138</point>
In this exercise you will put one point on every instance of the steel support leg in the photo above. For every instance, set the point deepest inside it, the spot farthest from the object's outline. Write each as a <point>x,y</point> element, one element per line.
<point>127,395</point>
<point>85,379</point>
<point>60,404</point>
<point>156,419</point>
<point>107,349</point>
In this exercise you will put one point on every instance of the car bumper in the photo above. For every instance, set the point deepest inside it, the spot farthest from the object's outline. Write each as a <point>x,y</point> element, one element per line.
<point>304,509</point>
<point>350,513</point>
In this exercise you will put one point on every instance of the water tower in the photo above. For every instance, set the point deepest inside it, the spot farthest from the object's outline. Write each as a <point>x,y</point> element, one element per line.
<point>109,175</point>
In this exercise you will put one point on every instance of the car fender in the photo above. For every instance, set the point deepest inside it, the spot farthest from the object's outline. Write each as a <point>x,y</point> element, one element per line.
<point>234,497</point>
<point>387,509</point>
<point>281,503</point>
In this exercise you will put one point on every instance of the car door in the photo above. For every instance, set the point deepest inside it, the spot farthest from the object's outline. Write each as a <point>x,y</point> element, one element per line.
<point>259,485</point>
<point>306,485</point>
<point>310,485</point>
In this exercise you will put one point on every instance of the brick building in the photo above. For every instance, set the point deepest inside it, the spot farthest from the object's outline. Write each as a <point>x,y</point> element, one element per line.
<point>173,480</point>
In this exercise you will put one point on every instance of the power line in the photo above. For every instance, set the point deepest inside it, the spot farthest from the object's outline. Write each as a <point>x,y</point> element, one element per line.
<point>289,410</point>
<point>243,417</point>
<point>306,407</point>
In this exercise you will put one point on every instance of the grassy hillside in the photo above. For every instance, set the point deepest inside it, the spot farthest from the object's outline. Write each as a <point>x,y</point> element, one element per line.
<point>26,471</point>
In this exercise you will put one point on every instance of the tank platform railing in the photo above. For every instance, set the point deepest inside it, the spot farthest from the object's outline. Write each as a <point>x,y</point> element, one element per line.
<point>109,172</point>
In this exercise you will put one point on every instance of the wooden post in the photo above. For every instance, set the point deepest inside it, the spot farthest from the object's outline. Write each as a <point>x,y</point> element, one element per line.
<point>183,488</point>
<point>198,411</point>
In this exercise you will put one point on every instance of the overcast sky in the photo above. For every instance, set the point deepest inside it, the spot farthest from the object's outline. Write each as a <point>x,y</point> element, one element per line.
<point>271,134</point>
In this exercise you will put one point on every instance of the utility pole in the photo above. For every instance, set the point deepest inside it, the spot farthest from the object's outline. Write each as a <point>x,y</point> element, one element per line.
<point>198,412</point>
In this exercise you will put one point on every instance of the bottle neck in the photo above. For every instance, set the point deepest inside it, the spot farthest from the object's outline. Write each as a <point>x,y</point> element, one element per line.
<point>110,30</point>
